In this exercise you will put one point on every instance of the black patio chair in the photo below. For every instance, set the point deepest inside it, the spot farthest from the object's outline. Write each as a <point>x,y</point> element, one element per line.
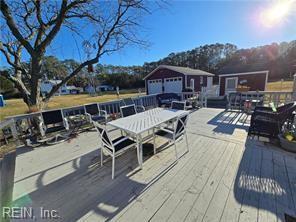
<point>130,101</point>
<point>53,127</point>
<point>265,122</point>
<point>94,114</point>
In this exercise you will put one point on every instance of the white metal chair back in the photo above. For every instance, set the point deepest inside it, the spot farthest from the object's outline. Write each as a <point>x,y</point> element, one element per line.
<point>181,125</point>
<point>104,137</point>
<point>128,101</point>
<point>92,109</point>
<point>128,110</point>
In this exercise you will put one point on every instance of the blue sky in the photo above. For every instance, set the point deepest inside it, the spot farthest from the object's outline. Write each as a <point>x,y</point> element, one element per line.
<point>184,25</point>
<point>188,24</point>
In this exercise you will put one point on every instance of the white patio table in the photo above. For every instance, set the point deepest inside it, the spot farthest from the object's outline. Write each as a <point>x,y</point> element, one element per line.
<point>139,123</point>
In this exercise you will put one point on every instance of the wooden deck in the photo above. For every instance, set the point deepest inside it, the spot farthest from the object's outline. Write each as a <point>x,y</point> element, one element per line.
<point>224,177</point>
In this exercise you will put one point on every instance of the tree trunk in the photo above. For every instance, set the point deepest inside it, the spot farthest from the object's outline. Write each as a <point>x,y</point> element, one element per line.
<point>35,101</point>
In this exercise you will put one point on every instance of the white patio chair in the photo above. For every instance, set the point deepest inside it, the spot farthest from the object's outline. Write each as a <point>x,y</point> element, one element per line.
<point>113,147</point>
<point>173,134</point>
<point>54,127</point>
<point>128,110</point>
<point>94,114</point>
<point>130,101</point>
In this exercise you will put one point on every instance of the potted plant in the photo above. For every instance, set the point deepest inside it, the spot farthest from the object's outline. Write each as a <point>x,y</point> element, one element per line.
<point>242,88</point>
<point>288,137</point>
<point>113,116</point>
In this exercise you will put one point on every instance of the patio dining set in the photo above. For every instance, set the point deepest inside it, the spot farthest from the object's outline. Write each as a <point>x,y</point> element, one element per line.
<point>168,123</point>
<point>135,125</point>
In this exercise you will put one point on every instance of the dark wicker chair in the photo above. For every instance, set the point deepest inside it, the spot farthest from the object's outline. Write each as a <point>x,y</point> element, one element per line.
<point>166,99</point>
<point>178,105</point>
<point>265,122</point>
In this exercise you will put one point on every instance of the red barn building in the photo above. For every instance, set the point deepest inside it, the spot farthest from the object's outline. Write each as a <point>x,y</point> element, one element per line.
<point>256,81</point>
<point>166,79</point>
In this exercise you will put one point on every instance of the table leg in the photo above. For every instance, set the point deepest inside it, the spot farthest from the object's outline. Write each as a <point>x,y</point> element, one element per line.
<point>140,151</point>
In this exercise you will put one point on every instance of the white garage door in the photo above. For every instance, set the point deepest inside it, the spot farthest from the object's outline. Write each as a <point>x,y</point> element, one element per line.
<point>173,85</point>
<point>154,86</point>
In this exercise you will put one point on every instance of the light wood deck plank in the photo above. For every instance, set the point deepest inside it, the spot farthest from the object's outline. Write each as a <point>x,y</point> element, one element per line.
<point>160,191</point>
<point>216,206</point>
<point>284,199</point>
<point>232,207</point>
<point>200,178</point>
<point>267,203</point>
<point>202,200</point>
<point>202,169</point>
<point>224,177</point>
<point>251,183</point>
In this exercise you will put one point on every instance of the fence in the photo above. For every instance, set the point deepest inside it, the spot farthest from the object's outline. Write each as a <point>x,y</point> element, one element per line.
<point>236,100</point>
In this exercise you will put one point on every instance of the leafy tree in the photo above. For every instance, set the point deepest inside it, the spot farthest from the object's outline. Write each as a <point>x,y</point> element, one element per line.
<point>5,85</point>
<point>52,68</point>
<point>30,26</point>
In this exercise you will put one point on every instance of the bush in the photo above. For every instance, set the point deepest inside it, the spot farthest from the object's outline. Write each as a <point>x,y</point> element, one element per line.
<point>12,94</point>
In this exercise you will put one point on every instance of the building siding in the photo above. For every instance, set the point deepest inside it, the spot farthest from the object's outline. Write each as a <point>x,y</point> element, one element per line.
<point>197,85</point>
<point>167,73</point>
<point>254,81</point>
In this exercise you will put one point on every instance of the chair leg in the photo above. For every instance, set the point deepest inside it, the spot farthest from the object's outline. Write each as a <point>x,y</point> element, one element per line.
<point>102,156</point>
<point>175,149</point>
<point>154,146</point>
<point>186,141</point>
<point>113,166</point>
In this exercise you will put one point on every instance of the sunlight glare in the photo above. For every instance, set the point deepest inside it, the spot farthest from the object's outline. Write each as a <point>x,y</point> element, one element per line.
<point>277,13</point>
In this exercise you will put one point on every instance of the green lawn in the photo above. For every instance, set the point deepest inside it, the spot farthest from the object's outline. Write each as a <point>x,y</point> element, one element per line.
<point>17,106</point>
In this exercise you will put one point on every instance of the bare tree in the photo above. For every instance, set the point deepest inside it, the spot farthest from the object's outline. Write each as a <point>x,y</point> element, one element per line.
<point>30,26</point>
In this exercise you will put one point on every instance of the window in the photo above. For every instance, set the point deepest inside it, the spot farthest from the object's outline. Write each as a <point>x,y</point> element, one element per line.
<point>231,83</point>
<point>201,80</point>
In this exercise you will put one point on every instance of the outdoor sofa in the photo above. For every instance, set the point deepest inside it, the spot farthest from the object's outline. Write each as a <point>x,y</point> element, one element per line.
<point>166,99</point>
<point>268,123</point>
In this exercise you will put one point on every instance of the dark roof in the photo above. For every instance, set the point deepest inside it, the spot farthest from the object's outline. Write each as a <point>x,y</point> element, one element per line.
<point>235,67</point>
<point>183,70</point>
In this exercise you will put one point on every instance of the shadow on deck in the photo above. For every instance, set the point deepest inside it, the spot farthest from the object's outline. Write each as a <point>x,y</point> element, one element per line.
<point>264,186</point>
<point>265,183</point>
<point>228,121</point>
<point>90,189</point>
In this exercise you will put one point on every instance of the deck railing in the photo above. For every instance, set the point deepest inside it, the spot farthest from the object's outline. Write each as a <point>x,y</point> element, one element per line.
<point>10,125</point>
<point>26,120</point>
<point>264,98</point>
<point>199,96</point>
<point>111,107</point>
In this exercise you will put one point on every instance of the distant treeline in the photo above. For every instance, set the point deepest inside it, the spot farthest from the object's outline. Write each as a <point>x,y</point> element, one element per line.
<point>279,59</point>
